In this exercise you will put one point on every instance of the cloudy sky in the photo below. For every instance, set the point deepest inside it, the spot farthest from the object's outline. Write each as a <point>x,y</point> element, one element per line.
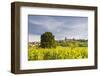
<point>60,26</point>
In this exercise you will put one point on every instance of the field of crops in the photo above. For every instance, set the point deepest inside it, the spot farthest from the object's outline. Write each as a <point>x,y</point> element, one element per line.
<point>37,53</point>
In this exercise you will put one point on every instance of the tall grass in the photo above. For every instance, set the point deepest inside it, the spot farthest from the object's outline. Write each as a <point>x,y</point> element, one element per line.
<point>37,53</point>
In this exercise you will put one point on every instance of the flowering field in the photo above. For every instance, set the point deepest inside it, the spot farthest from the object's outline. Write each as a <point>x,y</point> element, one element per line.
<point>37,53</point>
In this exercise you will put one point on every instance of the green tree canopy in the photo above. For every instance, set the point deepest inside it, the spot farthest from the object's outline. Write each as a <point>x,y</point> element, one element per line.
<point>47,40</point>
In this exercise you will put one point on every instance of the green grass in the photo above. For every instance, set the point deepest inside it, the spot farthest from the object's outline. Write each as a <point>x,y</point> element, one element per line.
<point>36,53</point>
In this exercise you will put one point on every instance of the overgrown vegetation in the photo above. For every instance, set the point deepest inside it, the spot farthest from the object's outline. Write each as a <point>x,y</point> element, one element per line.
<point>59,52</point>
<point>50,49</point>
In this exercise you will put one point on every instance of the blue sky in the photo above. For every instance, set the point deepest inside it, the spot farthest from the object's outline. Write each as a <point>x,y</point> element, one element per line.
<point>60,26</point>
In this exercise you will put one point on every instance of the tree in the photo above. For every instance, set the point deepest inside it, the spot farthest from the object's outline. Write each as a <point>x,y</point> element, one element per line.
<point>47,40</point>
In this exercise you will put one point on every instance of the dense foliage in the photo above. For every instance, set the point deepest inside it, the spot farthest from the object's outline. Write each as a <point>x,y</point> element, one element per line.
<point>47,40</point>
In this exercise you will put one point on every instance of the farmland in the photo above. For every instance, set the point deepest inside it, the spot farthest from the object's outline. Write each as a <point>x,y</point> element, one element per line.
<point>73,49</point>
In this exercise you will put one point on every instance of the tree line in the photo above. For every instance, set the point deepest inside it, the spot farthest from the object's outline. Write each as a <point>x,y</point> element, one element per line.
<point>48,41</point>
